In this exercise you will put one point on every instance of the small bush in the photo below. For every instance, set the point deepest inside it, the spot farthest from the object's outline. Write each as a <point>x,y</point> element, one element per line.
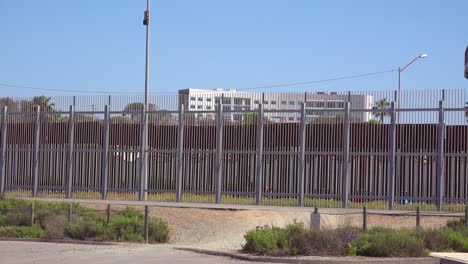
<point>34,231</point>
<point>326,242</point>
<point>389,243</point>
<point>128,226</point>
<point>86,229</point>
<point>15,218</point>
<point>264,240</point>
<point>158,230</point>
<point>55,225</point>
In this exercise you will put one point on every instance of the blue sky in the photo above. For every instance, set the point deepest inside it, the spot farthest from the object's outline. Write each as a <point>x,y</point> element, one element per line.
<point>99,45</point>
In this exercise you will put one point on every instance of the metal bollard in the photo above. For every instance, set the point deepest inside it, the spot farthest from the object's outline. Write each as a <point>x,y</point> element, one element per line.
<point>70,212</point>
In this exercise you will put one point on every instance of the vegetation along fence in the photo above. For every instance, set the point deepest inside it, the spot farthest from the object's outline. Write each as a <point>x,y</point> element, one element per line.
<point>321,150</point>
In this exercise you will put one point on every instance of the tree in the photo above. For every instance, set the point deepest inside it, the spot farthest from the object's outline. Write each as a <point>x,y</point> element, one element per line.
<point>11,104</point>
<point>136,108</point>
<point>252,119</point>
<point>162,117</point>
<point>382,104</point>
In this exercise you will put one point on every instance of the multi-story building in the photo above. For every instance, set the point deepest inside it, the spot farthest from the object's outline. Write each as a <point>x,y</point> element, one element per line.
<point>202,100</point>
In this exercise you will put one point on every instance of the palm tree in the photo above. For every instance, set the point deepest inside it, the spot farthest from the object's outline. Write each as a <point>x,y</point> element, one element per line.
<point>44,102</point>
<point>382,104</point>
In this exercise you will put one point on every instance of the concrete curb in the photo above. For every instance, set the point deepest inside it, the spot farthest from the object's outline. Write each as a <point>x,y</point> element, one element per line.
<point>66,241</point>
<point>312,259</point>
<point>239,207</point>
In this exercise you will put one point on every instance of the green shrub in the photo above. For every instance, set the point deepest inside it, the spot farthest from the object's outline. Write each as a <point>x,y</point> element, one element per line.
<point>128,225</point>
<point>326,242</point>
<point>86,229</point>
<point>458,224</point>
<point>34,231</point>
<point>158,230</point>
<point>264,240</point>
<point>14,217</point>
<point>446,239</point>
<point>389,243</point>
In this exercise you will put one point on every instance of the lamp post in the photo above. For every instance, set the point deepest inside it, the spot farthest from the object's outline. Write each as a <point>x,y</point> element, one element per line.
<point>144,140</point>
<point>400,70</point>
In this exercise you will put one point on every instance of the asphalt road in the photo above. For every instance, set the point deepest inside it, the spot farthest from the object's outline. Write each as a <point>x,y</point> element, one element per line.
<point>47,253</point>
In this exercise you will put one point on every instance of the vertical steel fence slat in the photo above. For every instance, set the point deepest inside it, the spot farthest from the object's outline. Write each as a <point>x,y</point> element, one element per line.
<point>440,156</point>
<point>3,150</point>
<point>345,169</point>
<point>258,172</point>
<point>302,156</point>
<point>71,125</point>
<point>105,154</point>
<point>180,149</point>
<point>142,166</point>
<point>219,152</point>
<point>35,168</point>
<point>391,157</point>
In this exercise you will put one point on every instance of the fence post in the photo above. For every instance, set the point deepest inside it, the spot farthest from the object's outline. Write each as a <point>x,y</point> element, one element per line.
<point>219,152</point>
<point>105,153</point>
<point>71,124</point>
<point>440,156</point>
<point>108,213</point>
<point>259,168</point>
<point>364,219</point>
<point>302,156</point>
<point>146,223</point>
<point>180,153</point>
<point>35,169</point>
<point>345,165</point>
<point>3,151</point>
<point>466,216</point>
<point>70,212</point>
<point>31,213</point>
<point>392,157</point>
<point>418,217</point>
<point>143,146</point>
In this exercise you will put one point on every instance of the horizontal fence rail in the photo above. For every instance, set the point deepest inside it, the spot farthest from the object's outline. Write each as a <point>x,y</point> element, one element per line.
<point>266,149</point>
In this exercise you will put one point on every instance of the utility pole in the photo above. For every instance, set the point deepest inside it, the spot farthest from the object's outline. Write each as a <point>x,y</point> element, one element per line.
<point>144,140</point>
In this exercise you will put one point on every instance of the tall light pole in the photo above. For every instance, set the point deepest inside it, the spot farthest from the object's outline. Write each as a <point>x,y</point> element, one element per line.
<point>400,70</point>
<point>142,194</point>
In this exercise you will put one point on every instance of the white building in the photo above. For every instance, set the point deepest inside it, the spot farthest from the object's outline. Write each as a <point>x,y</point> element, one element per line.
<point>203,100</point>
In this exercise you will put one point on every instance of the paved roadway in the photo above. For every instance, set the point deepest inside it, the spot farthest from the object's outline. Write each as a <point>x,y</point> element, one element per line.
<point>47,253</point>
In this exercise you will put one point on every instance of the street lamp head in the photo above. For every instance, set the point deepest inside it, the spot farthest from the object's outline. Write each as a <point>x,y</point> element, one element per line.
<point>422,56</point>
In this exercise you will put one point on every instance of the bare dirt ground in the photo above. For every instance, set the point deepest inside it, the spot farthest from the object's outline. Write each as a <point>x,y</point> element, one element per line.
<point>224,229</point>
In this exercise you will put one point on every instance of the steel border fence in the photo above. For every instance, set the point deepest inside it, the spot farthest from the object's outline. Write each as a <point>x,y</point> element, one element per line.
<point>192,158</point>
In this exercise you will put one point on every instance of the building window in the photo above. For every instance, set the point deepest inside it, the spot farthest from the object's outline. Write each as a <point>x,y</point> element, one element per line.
<point>208,99</point>
<point>291,102</point>
<point>217,100</point>
<point>265,102</point>
<point>283,102</point>
<point>200,99</point>
<point>192,107</point>
<point>192,98</point>
<point>273,102</point>
<point>291,119</point>
<point>330,104</point>
<point>208,107</point>
<point>200,107</point>
<point>256,102</point>
<point>226,100</point>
